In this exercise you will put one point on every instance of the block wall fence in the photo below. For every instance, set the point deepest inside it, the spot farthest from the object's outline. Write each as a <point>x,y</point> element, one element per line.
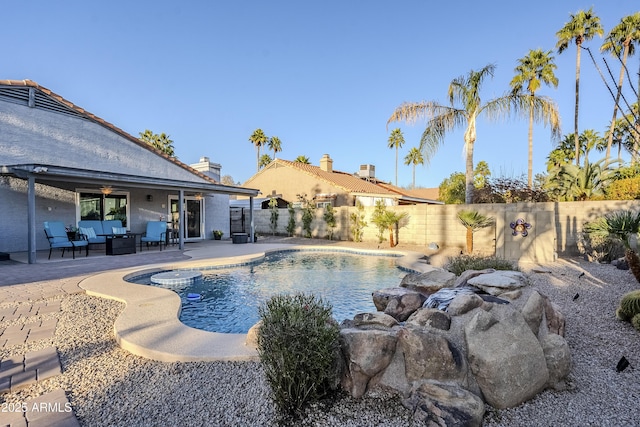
<point>555,226</point>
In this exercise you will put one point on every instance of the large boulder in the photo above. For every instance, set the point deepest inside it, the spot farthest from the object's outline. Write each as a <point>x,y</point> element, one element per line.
<point>558,358</point>
<point>398,303</point>
<point>429,282</point>
<point>445,405</point>
<point>498,282</point>
<point>505,356</point>
<point>369,353</point>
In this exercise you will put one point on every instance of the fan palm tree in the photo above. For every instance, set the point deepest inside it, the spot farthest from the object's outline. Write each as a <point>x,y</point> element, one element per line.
<point>582,26</point>
<point>473,221</point>
<point>302,159</point>
<point>396,140</point>
<point>620,225</point>
<point>258,139</point>
<point>621,37</point>
<point>445,118</point>
<point>265,159</point>
<point>161,142</point>
<point>590,139</point>
<point>574,183</point>
<point>414,158</point>
<point>275,145</point>
<point>533,70</point>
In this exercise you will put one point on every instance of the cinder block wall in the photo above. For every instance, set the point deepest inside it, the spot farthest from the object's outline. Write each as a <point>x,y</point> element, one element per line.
<point>555,227</point>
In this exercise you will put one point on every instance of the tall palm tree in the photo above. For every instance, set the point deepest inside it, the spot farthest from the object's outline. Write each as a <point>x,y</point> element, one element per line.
<point>563,153</point>
<point>302,159</point>
<point>582,26</point>
<point>444,118</point>
<point>258,138</point>
<point>275,145</point>
<point>396,139</point>
<point>535,68</point>
<point>590,139</point>
<point>414,158</point>
<point>265,159</point>
<point>621,37</point>
<point>161,142</point>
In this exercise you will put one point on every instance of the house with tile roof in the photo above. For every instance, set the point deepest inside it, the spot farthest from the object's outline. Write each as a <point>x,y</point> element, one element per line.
<point>291,180</point>
<point>58,162</point>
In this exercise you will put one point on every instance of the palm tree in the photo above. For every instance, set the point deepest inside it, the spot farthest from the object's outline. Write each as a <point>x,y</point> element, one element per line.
<point>265,159</point>
<point>396,139</point>
<point>590,139</point>
<point>533,70</point>
<point>161,142</point>
<point>275,145</point>
<point>574,183</point>
<point>582,26</point>
<point>473,221</point>
<point>258,138</point>
<point>620,225</point>
<point>302,159</point>
<point>621,37</point>
<point>414,158</point>
<point>444,118</point>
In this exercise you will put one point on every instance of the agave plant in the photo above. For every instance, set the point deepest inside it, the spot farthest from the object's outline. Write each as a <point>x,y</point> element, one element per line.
<point>473,220</point>
<point>620,225</point>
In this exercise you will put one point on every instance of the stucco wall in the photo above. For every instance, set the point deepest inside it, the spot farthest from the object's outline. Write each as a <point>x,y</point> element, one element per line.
<point>555,227</point>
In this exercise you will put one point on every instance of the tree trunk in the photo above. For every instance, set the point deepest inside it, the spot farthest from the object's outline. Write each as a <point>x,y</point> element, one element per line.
<point>615,105</point>
<point>575,117</point>
<point>530,165</point>
<point>470,138</point>
<point>391,241</point>
<point>469,240</point>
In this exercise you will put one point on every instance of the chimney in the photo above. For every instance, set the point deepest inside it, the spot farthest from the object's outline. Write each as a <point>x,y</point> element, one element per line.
<point>326,164</point>
<point>206,167</point>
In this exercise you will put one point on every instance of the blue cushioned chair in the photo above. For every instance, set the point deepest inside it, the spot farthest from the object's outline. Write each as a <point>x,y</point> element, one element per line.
<point>58,238</point>
<point>156,233</point>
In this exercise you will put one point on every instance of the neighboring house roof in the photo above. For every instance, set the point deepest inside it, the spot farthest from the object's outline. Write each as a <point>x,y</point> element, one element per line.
<point>430,194</point>
<point>349,182</point>
<point>18,91</point>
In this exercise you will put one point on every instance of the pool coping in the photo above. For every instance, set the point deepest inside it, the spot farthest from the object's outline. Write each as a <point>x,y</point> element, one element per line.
<point>149,326</point>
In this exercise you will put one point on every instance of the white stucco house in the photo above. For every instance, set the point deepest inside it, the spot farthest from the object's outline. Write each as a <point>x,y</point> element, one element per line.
<point>59,162</point>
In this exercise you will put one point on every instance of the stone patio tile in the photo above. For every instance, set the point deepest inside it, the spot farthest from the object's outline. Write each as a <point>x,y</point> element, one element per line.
<point>37,334</point>
<point>6,312</point>
<point>51,409</point>
<point>16,340</point>
<point>23,379</point>
<point>12,330</point>
<point>41,357</point>
<point>49,323</point>
<point>44,372</point>
<point>51,307</point>
<point>13,419</point>
<point>5,385</point>
<point>11,366</point>
<point>24,309</point>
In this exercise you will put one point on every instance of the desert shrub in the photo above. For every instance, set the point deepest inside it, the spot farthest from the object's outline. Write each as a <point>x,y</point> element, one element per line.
<point>459,264</point>
<point>624,189</point>
<point>599,248</point>
<point>298,346</point>
<point>330,218</point>
<point>357,222</point>
<point>273,220</point>
<point>291,225</point>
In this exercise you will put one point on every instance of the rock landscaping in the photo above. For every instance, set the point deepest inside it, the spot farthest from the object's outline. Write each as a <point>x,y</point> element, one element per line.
<point>494,340</point>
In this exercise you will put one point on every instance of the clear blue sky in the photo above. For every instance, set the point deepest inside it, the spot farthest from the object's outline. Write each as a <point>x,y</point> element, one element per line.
<point>323,76</point>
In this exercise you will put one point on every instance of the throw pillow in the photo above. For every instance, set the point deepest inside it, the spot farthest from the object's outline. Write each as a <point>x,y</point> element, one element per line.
<point>119,230</point>
<point>89,232</point>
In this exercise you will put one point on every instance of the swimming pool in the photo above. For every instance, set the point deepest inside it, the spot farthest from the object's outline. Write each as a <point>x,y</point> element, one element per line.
<point>230,296</point>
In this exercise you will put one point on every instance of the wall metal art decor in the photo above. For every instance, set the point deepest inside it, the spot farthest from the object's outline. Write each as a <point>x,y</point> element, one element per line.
<point>520,226</point>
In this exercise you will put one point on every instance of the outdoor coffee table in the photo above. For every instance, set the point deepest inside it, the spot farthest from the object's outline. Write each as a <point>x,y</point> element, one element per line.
<point>120,244</point>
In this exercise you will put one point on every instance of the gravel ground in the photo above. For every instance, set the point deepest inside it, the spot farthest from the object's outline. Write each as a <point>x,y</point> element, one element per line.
<point>108,386</point>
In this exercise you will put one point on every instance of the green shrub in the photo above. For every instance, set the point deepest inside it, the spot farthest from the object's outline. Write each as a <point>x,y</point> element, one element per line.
<point>357,222</point>
<point>624,189</point>
<point>299,349</point>
<point>460,264</point>
<point>291,225</point>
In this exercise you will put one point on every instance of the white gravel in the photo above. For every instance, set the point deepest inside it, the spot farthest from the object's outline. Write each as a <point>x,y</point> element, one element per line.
<point>108,386</point>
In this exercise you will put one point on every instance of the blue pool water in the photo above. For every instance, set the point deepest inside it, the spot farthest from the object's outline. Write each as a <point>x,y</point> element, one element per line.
<point>230,297</point>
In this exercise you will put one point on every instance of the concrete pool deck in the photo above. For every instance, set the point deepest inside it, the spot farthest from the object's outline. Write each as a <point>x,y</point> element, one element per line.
<point>149,325</point>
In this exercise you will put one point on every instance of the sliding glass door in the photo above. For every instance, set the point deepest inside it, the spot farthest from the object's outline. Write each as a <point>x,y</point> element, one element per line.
<point>193,229</point>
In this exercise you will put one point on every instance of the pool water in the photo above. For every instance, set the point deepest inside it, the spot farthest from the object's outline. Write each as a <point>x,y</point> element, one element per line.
<point>230,297</point>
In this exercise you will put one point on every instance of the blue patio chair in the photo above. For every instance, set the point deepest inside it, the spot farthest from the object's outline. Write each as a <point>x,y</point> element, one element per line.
<point>58,238</point>
<point>156,233</point>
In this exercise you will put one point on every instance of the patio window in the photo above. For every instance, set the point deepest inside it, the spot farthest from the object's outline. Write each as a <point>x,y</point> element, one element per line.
<point>101,207</point>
